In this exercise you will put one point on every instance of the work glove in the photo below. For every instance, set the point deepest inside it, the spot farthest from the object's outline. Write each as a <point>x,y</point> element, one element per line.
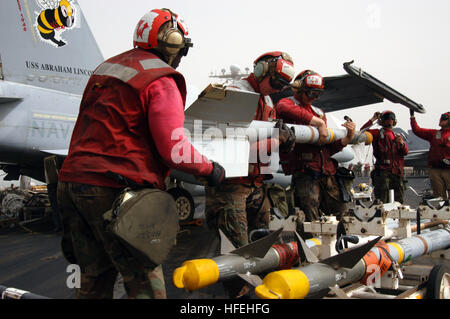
<point>216,176</point>
<point>286,137</point>
<point>375,116</point>
<point>411,112</point>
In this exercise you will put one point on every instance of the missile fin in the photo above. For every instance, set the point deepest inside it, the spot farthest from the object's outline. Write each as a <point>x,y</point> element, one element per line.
<point>226,246</point>
<point>339,292</point>
<point>306,251</point>
<point>253,280</point>
<point>349,258</point>
<point>258,248</point>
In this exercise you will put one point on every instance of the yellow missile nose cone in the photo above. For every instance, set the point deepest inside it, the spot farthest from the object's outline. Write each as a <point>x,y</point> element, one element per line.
<point>284,284</point>
<point>177,277</point>
<point>196,274</point>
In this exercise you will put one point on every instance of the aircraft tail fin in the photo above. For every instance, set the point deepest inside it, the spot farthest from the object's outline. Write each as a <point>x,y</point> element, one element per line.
<point>47,43</point>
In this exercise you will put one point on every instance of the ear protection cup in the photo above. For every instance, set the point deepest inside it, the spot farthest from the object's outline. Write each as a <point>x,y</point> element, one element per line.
<point>298,82</point>
<point>173,41</point>
<point>260,70</point>
<point>173,38</point>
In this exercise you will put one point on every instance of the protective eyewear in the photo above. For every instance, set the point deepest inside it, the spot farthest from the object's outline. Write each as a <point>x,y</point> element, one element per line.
<point>444,117</point>
<point>388,116</point>
<point>187,44</point>
<point>313,94</point>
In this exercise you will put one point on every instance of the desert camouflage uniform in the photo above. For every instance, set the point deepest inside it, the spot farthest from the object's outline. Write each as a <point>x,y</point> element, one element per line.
<point>97,251</point>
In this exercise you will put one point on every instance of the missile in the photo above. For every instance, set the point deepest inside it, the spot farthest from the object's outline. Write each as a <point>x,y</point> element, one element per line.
<point>245,262</point>
<point>313,279</point>
<point>305,134</point>
<point>13,293</point>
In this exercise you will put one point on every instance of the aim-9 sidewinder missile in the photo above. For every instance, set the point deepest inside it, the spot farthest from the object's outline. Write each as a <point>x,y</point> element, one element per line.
<point>302,282</point>
<point>245,262</point>
<point>305,134</point>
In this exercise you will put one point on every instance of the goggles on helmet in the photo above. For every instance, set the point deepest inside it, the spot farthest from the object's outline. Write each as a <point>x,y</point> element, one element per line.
<point>187,44</point>
<point>388,116</point>
<point>444,117</point>
<point>313,93</point>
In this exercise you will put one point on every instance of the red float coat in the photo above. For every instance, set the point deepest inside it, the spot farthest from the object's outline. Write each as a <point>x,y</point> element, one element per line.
<point>130,122</point>
<point>389,154</point>
<point>264,112</point>
<point>306,156</point>
<point>439,143</point>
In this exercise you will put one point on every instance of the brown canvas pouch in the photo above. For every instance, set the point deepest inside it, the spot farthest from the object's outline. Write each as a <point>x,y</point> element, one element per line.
<point>146,221</point>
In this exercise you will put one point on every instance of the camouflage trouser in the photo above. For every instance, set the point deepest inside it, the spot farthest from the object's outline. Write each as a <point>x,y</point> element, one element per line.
<point>318,194</point>
<point>440,182</point>
<point>237,209</point>
<point>97,251</point>
<point>383,181</point>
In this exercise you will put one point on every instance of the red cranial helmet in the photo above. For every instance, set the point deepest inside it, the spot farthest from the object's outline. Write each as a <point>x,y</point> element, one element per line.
<point>385,116</point>
<point>309,82</point>
<point>164,31</point>
<point>278,65</point>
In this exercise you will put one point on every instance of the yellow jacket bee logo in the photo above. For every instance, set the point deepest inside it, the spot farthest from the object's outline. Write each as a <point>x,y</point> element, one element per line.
<point>55,18</point>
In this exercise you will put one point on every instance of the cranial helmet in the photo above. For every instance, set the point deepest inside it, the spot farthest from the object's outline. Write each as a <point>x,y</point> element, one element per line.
<point>278,65</point>
<point>385,116</point>
<point>309,82</point>
<point>164,31</point>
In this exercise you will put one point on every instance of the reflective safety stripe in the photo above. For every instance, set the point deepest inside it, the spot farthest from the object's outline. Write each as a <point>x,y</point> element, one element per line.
<point>293,99</point>
<point>154,64</point>
<point>123,73</point>
<point>318,111</point>
<point>268,101</point>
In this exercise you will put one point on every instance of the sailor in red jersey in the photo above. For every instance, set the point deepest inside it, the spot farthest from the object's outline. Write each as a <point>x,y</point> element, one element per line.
<point>313,171</point>
<point>123,137</point>
<point>439,154</point>
<point>389,150</point>
<point>239,205</point>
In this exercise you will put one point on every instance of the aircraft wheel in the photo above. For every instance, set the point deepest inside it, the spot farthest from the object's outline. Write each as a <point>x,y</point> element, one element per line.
<point>184,202</point>
<point>438,286</point>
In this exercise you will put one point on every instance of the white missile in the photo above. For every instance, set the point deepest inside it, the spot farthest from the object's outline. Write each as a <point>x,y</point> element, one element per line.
<point>305,134</point>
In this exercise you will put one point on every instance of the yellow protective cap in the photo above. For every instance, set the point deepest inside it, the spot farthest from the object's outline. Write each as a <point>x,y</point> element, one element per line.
<point>369,138</point>
<point>284,284</point>
<point>196,274</point>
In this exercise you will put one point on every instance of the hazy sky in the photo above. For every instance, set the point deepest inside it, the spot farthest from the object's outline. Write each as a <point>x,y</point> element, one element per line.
<point>403,43</point>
